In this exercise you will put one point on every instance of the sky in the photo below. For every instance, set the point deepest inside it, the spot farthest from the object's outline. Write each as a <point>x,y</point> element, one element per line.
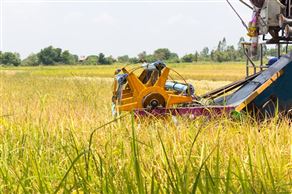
<point>117,27</point>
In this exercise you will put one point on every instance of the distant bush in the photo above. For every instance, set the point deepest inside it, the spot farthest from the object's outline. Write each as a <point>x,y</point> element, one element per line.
<point>9,58</point>
<point>91,60</point>
<point>53,56</point>
<point>31,60</point>
<point>188,58</point>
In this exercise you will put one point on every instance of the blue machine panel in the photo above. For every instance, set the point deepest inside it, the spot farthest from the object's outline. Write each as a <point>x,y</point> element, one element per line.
<point>279,93</point>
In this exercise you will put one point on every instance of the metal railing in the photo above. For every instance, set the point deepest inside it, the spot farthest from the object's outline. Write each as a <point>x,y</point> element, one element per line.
<point>253,67</point>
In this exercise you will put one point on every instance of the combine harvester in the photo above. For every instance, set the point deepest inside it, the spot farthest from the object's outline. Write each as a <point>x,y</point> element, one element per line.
<point>265,91</point>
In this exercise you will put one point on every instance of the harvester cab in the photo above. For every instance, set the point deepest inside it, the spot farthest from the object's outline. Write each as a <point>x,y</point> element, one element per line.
<point>150,89</point>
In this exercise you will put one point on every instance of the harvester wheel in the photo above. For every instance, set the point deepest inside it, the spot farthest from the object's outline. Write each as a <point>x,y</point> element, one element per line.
<point>153,100</point>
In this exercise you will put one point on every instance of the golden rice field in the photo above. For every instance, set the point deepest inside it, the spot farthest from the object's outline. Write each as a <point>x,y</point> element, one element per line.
<point>57,135</point>
<point>197,71</point>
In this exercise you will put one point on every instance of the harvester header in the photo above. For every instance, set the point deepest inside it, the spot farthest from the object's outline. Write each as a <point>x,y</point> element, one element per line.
<point>150,89</point>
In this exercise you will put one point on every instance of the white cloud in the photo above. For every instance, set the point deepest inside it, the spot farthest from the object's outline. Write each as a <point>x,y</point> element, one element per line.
<point>181,19</point>
<point>73,17</point>
<point>118,29</point>
<point>104,18</point>
<point>175,19</point>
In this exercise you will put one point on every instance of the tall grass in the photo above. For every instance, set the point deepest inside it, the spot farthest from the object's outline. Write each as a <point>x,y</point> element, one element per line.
<point>57,135</point>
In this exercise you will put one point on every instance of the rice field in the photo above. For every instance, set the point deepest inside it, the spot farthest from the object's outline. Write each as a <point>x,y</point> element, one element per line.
<point>196,71</point>
<point>57,135</point>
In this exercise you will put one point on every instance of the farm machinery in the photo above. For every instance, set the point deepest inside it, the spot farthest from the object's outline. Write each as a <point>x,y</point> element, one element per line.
<point>151,89</point>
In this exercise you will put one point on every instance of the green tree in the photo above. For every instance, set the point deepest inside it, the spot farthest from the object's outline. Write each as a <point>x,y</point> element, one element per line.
<point>91,60</point>
<point>9,58</point>
<point>110,60</point>
<point>196,57</point>
<point>173,58</point>
<point>218,56</point>
<point>232,54</point>
<point>204,55</point>
<point>1,57</point>
<point>150,58</point>
<point>188,58</point>
<point>223,44</point>
<point>134,60</point>
<point>240,51</point>
<point>76,58</point>
<point>219,47</point>
<point>68,58</point>
<point>53,56</point>
<point>105,60</point>
<point>59,58</point>
<point>101,58</point>
<point>162,54</point>
<point>31,60</point>
<point>49,56</point>
<point>123,59</point>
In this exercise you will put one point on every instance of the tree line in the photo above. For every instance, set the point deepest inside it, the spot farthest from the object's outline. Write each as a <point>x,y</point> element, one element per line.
<point>54,56</point>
